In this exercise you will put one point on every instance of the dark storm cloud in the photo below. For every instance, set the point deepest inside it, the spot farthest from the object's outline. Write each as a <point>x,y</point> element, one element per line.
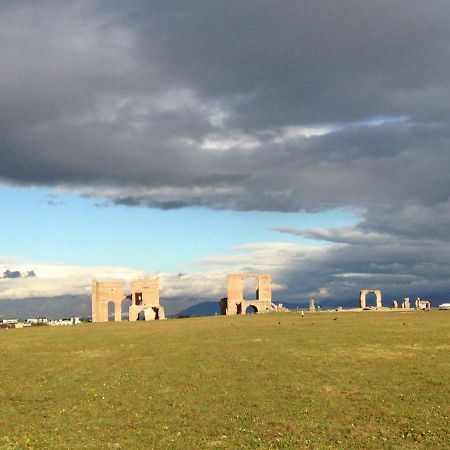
<point>302,105</point>
<point>173,98</point>
<point>356,260</point>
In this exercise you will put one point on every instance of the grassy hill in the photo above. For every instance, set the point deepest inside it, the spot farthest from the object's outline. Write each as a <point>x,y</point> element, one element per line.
<point>328,380</point>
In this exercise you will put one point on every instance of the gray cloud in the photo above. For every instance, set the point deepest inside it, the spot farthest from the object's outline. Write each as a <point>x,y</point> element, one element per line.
<point>355,259</point>
<point>212,96</point>
<point>11,274</point>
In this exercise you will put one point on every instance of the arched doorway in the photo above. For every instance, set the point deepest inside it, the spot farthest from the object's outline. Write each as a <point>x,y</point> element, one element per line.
<point>251,309</point>
<point>111,311</point>
<point>250,288</point>
<point>371,300</point>
<point>369,292</point>
<point>124,307</point>
<point>141,316</point>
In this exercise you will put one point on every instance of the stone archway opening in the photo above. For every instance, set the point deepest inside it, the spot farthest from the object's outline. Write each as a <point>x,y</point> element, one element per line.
<point>141,316</point>
<point>239,308</point>
<point>371,300</point>
<point>111,311</point>
<point>250,288</point>
<point>251,309</point>
<point>124,307</point>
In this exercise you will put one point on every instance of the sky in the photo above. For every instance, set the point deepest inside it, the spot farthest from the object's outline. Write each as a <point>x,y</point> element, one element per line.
<point>309,140</point>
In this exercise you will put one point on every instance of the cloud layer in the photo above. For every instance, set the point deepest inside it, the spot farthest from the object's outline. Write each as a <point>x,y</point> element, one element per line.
<point>308,106</point>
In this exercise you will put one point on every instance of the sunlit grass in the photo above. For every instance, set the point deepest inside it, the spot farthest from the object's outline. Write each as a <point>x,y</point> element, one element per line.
<point>328,380</point>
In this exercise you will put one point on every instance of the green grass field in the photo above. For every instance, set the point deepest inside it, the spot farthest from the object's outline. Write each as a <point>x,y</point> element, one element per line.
<point>328,380</point>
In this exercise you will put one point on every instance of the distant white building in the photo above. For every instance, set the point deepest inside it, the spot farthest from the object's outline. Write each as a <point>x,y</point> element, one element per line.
<point>61,322</point>
<point>444,306</point>
<point>37,320</point>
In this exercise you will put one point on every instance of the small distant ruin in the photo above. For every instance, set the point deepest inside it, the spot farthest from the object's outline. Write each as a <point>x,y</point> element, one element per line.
<point>235,303</point>
<point>422,305</point>
<point>312,305</point>
<point>144,300</point>
<point>406,303</point>
<point>395,304</point>
<point>363,294</point>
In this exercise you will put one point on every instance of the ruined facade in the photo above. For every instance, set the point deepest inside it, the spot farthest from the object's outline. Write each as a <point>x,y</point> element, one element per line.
<point>102,295</point>
<point>395,304</point>
<point>362,297</point>
<point>312,305</point>
<point>235,302</point>
<point>144,300</point>
<point>406,303</point>
<point>423,305</point>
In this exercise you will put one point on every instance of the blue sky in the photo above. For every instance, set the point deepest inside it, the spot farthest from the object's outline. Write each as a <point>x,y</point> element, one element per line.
<point>44,226</point>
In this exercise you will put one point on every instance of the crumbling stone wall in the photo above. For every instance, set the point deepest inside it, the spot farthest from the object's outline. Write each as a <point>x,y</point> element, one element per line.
<point>235,302</point>
<point>423,305</point>
<point>406,303</point>
<point>144,299</point>
<point>104,293</point>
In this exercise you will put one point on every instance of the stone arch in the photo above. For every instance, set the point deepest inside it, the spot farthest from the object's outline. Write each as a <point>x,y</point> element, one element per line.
<point>235,303</point>
<point>251,309</point>
<point>124,307</point>
<point>363,294</point>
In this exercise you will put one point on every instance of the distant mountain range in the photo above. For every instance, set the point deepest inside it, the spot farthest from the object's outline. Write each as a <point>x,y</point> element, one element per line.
<point>50,307</point>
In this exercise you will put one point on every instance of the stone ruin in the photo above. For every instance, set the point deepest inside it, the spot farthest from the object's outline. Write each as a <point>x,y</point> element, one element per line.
<point>406,303</point>
<point>235,303</point>
<point>422,305</point>
<point>363,294</point>
<point>144,300</point>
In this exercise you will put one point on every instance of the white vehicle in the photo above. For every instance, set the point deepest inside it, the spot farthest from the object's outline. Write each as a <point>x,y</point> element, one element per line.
<point>444,306</point>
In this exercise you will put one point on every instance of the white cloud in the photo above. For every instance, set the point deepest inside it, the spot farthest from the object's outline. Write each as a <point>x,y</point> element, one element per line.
<point>55,279</point>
